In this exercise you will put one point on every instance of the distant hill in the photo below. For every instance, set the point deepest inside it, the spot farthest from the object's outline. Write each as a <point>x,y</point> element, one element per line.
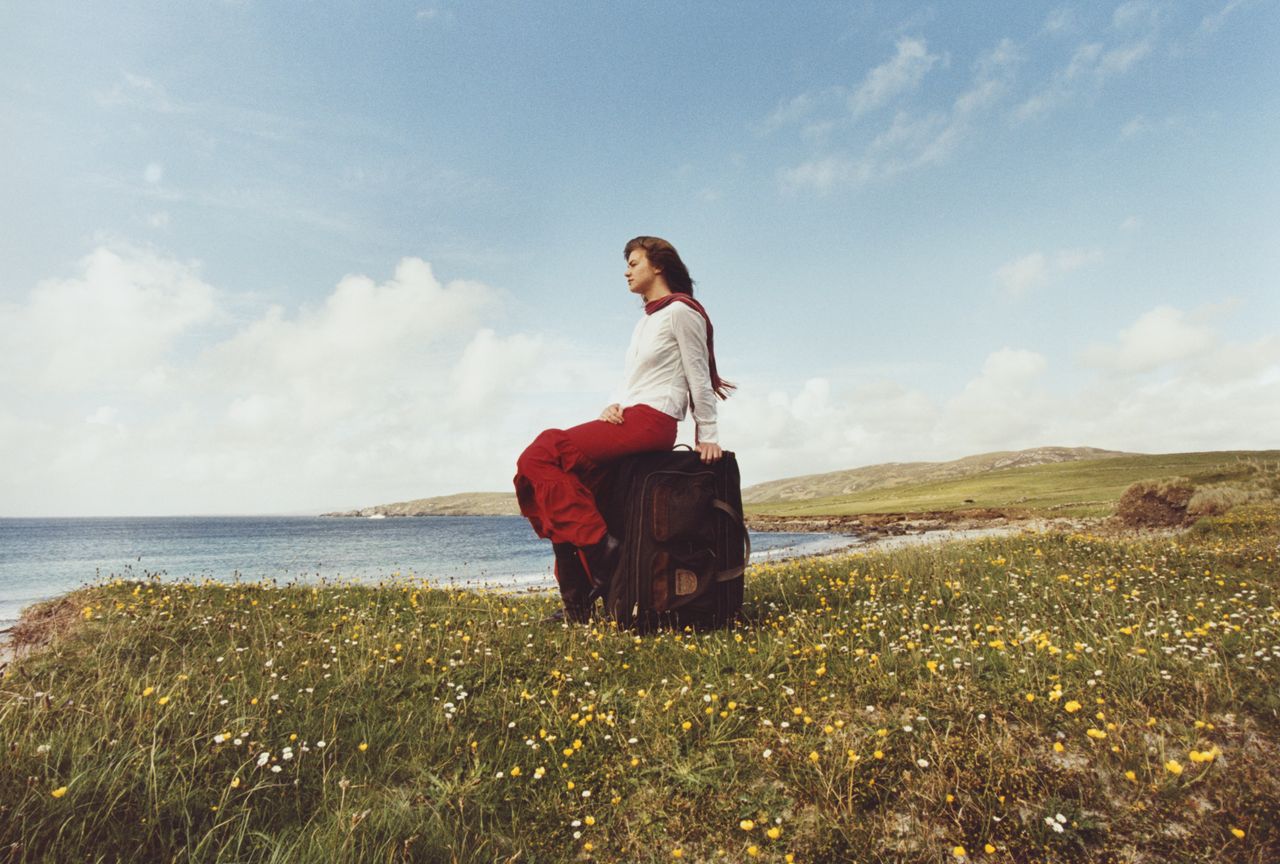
<point>462,504</point>
<point>1072,487</point>
<point>890,474</point>
<point>1060,480</point>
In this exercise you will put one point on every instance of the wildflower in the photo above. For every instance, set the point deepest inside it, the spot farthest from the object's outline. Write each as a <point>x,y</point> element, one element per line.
<point>1238,832</point>
<point>589,820</point>
<point>147,691</point>
<point>959,852</point>
<point>677,853</point>
<point>813,756</point>
<point>1096,734</point>
<point>774,832</point>
<point>1131,777</point>
<point>747,825</point>
<point>753,851</point>
<point>59,792</point>
<point>163,700</point>
<point>1071,707</point>
<point>1174,767</point>
<point>235,782</point>
<point>363,746</point>
<point>1057,747</point>
<point>989,849</point>
<point>515,771</point>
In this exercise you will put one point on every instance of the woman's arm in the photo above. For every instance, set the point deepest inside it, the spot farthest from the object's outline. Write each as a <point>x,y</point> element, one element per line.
<point>690,330</point>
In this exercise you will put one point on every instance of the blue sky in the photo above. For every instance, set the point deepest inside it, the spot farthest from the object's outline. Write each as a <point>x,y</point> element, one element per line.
<point>283,257</point>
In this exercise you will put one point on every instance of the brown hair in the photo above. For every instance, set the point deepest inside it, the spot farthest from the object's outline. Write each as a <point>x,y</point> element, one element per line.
<point>665,259</point>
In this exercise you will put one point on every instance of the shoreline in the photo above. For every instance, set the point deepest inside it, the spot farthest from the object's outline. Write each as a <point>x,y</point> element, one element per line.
<point>29,632</point>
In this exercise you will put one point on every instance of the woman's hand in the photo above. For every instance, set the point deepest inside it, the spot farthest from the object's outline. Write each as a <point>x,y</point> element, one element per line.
<point>709,452</point>
<point>612,414</point>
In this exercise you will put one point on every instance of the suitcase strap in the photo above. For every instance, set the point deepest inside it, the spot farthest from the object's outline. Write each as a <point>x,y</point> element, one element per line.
<point>735,572</point>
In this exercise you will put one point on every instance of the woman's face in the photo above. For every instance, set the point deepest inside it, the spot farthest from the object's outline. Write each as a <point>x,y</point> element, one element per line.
<point>640,273</point>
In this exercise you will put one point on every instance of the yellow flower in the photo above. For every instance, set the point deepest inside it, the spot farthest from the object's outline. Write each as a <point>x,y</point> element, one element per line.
<point>235,782</point>
<point>989,849</point>
<point>774,832</point>
<point>588,846</point>
<point>590,820</point>
<point>1173,766</point>
<point>1031,697</point>
<point>1239,833</point>
<point>59,792</point>
<point>677,853</point>
<point>1071,707</point>
<point>746,825</point>
<point>959,852</point>
<point>813,756</point>
<point>1096,734</point>
<point>1131,777</point>
<point>879,754</point>
<point>686,725</point>
<point>1057,747</point>
<point>753,851</point>
<point>163,700</point>
<point>148,691</point>
<point>363,746</point>
<point>515,772</point>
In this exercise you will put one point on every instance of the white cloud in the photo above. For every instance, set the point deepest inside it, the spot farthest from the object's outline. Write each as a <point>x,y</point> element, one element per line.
<point>139,92</point>
<point>896,76</point>
<point>1210,23</point>
<point>1199,392</point>
<point>139,392</point>
<point>1023,274</point>
<point>910,140</point>
<point>393,389</point>
<point>1135,13</point>
<point>109,326</point>
<point>1090,65</point>
<point>1160,337</point>
<point>1036,270</point>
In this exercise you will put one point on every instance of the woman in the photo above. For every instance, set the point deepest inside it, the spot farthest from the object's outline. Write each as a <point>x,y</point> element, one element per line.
<point>670,364</point>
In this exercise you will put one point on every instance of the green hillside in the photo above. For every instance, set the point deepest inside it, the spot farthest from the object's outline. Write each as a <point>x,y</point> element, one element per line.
<point>853,480</point>
<point>1089,487</point>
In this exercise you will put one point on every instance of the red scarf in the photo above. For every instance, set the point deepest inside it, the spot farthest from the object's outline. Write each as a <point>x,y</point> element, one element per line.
<point>718,384</point>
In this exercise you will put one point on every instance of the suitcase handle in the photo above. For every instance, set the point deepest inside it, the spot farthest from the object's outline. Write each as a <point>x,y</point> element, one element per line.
<point>735,572</point>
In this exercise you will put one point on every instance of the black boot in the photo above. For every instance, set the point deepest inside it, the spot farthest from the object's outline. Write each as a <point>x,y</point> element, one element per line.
<point>575,588</point>
<point>602,560</point>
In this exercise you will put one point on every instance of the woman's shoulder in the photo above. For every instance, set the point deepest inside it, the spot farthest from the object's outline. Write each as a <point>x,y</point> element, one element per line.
<point>682,312</point>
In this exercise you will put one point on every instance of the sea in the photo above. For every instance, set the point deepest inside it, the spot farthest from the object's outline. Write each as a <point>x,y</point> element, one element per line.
<point>44,558</point>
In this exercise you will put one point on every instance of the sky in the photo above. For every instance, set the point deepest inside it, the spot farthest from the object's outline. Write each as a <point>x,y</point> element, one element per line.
<point>286,257</point>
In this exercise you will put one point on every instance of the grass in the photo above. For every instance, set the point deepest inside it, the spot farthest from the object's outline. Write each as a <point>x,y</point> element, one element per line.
<point>1045,697</point>
<point>1088,487</point>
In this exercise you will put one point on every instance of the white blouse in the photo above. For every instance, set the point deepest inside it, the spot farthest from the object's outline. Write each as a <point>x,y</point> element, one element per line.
<point>667,362</point>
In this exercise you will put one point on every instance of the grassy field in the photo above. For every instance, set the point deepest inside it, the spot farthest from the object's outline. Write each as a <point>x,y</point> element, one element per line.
<point>1045,697</point>
<point>1085,488</point>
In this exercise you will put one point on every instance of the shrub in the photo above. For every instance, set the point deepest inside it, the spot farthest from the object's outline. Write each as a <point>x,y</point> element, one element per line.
<point>1155,503</point>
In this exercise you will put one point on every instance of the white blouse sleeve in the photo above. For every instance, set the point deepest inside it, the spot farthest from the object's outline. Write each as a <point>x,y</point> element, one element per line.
<point>690,330</point>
